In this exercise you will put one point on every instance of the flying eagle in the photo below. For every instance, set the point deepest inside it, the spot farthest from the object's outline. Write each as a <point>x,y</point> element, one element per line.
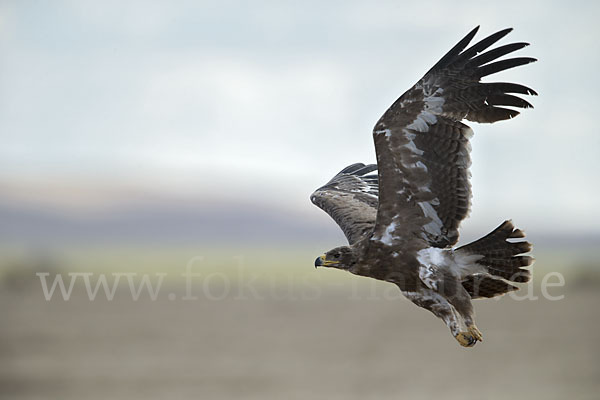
<point>401,216</point>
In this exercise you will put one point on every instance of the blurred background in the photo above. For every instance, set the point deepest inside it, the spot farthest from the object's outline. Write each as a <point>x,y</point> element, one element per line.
<point>175,145</point>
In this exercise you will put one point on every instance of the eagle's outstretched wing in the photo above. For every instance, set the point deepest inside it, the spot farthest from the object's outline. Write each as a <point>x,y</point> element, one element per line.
<point>423,148</point>
<point>350,198</point>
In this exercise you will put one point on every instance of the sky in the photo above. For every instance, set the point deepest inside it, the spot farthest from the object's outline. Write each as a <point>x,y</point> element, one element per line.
<point>264,101</point>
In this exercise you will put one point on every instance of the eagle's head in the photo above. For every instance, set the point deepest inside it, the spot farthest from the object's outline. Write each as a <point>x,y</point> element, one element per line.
<point>344,257</point>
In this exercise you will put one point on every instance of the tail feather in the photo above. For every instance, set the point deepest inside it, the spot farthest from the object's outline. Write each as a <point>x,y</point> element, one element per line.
<point>479,285</point>
<point>502,258</point>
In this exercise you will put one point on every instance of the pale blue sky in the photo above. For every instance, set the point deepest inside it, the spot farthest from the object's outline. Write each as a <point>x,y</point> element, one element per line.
<point>232,100</point>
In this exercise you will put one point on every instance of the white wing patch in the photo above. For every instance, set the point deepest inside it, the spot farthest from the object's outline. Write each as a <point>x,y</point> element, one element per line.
<point>435,259</point>
<point>428,116</point>
<point>368,190</point>
<point>387,238</point>
<point>434,227</point>
<point>386,132</point>
<point>411,145</point>
<point>422,122</point>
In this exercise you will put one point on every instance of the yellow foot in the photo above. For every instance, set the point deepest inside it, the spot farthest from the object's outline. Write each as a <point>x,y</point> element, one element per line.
<point>466,339</point>
<point>475,332</point>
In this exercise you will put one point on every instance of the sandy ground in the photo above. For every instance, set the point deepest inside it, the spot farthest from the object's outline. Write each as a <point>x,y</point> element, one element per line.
<point>331,346</point>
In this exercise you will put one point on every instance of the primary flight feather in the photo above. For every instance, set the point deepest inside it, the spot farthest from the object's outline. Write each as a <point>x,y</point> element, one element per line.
<point>401,216</point>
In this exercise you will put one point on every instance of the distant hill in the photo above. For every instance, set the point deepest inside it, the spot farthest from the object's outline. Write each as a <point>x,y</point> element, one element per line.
<point>172,222</point>
<point>162,223</point>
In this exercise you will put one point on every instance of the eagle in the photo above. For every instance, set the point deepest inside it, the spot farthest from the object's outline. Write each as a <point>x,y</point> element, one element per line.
<point>401,217</point>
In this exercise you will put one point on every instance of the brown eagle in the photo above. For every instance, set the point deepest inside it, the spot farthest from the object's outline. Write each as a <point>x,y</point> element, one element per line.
<point>402,221</point>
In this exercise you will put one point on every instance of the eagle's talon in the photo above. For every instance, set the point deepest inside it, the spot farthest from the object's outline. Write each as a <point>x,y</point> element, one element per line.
<point>475,332</point>
<point>466,339</point>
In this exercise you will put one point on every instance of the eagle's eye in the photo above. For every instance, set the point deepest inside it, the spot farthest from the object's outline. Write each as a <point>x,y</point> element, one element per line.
<point>336,255</point>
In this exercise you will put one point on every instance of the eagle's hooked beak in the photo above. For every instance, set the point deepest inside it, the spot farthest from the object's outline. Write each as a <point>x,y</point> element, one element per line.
<point>321,261</point>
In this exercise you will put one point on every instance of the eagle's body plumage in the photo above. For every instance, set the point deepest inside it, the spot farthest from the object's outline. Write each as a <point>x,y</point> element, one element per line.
<point>402,221</point>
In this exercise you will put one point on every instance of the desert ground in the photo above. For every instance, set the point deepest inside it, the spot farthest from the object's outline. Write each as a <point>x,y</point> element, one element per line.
<point>305,335</point>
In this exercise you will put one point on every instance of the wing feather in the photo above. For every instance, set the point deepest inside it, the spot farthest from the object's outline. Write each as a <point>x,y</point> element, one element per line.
<point>423,147</point>
<point>496,53</point>
<point>498,66</point>
<point>350,198</point>
<point>481,45</point>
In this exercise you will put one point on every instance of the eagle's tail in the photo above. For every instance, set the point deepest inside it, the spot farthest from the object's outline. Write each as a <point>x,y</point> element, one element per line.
<point>502,258</point>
